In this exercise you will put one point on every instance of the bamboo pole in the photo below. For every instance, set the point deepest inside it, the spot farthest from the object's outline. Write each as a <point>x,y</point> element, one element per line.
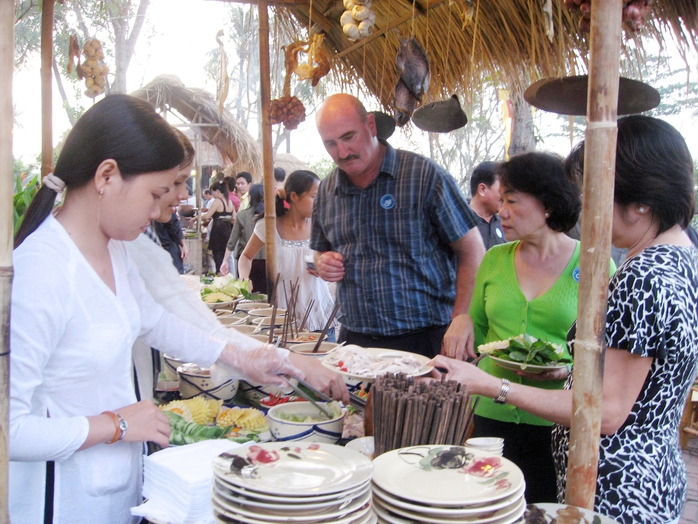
<point>597,206</point>
<point>46,86</point>
<point>267,152</point>
<point>7,18</point>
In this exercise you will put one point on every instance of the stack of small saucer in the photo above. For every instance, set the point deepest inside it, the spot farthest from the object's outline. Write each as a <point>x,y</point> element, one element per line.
<point>278,482</point>
<point>446,485</point>
<point>492,445</point>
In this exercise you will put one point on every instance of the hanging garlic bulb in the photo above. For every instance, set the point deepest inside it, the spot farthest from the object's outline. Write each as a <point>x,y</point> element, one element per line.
<point>360,13</point>
<point>372,16</point>
<point>349,5</point>
<point>346,18</point>
<point>352,31</point>
<point>365,28</point>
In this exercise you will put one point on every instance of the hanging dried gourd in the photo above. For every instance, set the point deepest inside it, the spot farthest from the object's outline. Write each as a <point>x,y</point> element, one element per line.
<point>93,70</point>
<point>289,110</point>
<point>318,63</point>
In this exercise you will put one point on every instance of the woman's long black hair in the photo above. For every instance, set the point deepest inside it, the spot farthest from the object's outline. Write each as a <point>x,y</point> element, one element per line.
<point>298,182</point>
<point>119,127</point>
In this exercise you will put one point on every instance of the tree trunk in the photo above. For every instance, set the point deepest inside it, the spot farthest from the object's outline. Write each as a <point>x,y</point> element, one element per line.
<point>125,44</point>
<point>61,90</point>
<point>522,138</point>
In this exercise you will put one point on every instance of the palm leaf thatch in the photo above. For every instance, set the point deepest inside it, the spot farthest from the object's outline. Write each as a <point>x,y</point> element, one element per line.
<point>467,41</point>
<point>232,140</point>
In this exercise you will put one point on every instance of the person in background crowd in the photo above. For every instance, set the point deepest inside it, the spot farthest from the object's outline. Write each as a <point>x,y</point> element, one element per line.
<point>393,229</point>
<point>242,186</point>
<point>651,335</point>
<point>76,431</point>
<point>279,177</point>
<point>208,198</point>
<point>232,195</point>
<point>293,226</point>
<point>242,231</point>
<point>485,200</point>
<point>220,214</point>
<point>171,239</point>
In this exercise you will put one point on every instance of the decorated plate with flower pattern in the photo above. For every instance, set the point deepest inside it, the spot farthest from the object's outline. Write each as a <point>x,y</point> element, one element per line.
<point>300,469</point>
<point>446,476</point>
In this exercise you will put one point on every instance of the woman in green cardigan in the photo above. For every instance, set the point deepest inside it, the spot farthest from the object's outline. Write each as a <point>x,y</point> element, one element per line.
<point>528,285</point>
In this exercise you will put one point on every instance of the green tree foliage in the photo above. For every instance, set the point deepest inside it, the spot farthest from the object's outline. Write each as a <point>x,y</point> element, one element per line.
<point>26,184</point>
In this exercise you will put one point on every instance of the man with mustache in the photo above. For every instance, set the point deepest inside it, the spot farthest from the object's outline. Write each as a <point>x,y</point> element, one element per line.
<point>393,229</point>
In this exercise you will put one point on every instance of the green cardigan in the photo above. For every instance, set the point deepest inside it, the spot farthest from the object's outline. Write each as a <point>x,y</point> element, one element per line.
<point>499,310</point>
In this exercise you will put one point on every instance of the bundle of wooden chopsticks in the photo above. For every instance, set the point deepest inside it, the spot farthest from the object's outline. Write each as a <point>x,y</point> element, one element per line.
<point>407,412</point>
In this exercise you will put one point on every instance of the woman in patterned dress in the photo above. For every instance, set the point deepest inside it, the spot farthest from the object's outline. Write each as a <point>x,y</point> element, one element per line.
<point>651,334</point>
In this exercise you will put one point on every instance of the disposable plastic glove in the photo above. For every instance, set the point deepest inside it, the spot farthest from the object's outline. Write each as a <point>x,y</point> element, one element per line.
<point>247,358</point>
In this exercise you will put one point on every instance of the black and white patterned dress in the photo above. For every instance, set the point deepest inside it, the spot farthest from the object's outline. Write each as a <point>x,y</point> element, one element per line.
<point>652,312</point>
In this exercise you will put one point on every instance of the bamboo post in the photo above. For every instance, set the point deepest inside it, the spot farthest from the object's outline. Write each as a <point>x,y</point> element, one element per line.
<point>7,17</point>
<point>46,86</point>
<point>597,206</point>
<point>267,153</point>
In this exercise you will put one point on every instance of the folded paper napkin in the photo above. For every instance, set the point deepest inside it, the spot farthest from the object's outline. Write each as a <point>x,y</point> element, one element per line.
<point>177,483</point>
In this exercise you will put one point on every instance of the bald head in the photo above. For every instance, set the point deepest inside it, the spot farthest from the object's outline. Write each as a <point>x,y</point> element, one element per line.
<point>348,133</point>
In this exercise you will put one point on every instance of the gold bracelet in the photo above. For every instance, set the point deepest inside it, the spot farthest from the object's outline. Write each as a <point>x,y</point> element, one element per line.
<point>118,433</point>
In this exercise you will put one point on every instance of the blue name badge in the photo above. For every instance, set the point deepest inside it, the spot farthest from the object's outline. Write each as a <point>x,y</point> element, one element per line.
<point>387,201</point>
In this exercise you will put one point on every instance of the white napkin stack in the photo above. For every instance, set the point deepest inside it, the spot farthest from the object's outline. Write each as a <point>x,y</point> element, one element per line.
<point>177,483</point>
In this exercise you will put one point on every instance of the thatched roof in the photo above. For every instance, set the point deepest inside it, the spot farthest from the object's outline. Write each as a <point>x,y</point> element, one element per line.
<point>232,140</point>
<point>502,39</point>
<point>289,163</point>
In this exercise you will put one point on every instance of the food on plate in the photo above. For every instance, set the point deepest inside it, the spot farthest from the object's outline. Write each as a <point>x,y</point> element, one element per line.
<point>357,361</point>
<point>305,338</point>
<point>202,410</point>
<point>245,418</point>
<point>223,289</point>
<point>527,350</point>
<point>333,407</point>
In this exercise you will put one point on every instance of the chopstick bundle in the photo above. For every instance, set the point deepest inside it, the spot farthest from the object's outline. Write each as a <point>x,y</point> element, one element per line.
<point>407,412</point>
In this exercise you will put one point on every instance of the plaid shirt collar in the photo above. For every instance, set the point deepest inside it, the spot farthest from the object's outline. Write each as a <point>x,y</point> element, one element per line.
<point>343,185</point>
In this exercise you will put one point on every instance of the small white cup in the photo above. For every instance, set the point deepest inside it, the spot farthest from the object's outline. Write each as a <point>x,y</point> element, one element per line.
<point>490,444</point>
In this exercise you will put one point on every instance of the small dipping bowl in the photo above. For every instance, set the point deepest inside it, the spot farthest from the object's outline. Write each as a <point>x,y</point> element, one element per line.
<point>306,348</point>
<point>491,444</point>
<point>325,431</point>
<point>194,381</point>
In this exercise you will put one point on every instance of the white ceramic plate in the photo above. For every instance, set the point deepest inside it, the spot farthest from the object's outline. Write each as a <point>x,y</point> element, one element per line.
<point>302,469</point>
<point>354,506</point>
<point>388,516</point>
<point>485,517</point>
<point>385,354</point>
<point>446,476</point>
<point>467,511</point>
<point>528,368</point>
<point>290,501</point>
<point>550,512</point>
<point>221,305</point>
<point>297,505</point>
<point>353,518</point>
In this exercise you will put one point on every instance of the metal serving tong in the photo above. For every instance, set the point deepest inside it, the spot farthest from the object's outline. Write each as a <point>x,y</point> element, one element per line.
<point>353,398</point>
<point>307,397</point>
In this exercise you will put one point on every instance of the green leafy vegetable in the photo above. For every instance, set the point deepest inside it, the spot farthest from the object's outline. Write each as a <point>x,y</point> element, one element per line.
<point>527,350</point>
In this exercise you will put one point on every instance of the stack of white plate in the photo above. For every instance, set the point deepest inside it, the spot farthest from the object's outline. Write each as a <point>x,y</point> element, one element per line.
<point>292,482</point>
<point>447,485</point>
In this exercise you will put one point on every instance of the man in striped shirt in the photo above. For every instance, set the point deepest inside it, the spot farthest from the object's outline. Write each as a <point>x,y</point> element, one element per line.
<point>393,229</point>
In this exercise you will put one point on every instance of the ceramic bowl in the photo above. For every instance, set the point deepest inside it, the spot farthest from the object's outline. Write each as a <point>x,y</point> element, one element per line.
<point>253,391</point>
<point>327,431</point>
<point>307,348</point>
<point>247,306</point>
<point>170,367</point>
<point>267,312</point>
<point>304,336</point>
<point>194,381</point>
<point>233,321</point>
<point>244,328</point>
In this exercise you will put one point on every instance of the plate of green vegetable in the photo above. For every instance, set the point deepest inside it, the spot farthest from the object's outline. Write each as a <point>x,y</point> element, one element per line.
<point>527,353</point>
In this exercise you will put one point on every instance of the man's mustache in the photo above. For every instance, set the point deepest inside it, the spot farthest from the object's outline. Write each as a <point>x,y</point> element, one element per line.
<point>347,159</point>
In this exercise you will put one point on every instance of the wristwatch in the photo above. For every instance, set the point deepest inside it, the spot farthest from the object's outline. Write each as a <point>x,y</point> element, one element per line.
<point>123,426</point>
<point>503,391</point>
